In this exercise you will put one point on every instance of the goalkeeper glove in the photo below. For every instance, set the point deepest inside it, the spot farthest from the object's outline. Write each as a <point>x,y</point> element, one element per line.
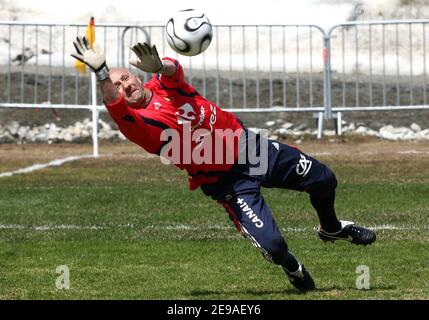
<point>148,58</point>
<point>93,58</point>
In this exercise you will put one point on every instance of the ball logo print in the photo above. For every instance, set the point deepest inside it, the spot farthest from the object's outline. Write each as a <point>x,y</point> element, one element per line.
<point>189,32</point>
<point>185,113</point>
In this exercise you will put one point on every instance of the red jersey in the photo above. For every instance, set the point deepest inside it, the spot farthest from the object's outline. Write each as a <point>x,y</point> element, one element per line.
<point>203,130</point>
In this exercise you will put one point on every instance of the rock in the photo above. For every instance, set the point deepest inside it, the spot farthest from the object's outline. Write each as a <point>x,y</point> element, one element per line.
<point>68,137</point>
<point>75,131</point>
<point>80,131</point>
<point>121,136</point>
<point>85,133</point>
<point>297,133</point>
<point>281,132</point>
<point>287,125</point>
<point>49,132</point>
<point>22,132</point>
<point>400,133</point>
<point>386,133</point>
<point>329,133</point>
<point>106,135</point>
<point>41,137</point>
<point>410,135</point>
<point>361,130</point>
<point>104,125</point>
<point>415,127</point>
<point>301,126</point>
<point>424,134</point>
<point>12,127</point>
<point>6,137</point>
<point>373,133</point>
<point>78,125</point>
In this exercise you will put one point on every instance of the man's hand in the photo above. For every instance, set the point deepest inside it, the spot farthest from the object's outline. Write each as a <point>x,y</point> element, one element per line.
<point>93,58</point>
<point>148,58</point>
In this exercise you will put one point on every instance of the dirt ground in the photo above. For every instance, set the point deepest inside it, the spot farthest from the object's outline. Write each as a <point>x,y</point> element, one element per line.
<point>13,157</point>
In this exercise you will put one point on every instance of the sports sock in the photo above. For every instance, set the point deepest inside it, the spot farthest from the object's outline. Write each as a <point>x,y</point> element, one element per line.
<point>324,205</point>
<point>290,263</point>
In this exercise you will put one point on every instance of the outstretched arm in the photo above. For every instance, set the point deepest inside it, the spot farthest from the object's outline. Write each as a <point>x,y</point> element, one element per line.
<point>96,60</point>
<point>109,91</point>
<point>170,68</point>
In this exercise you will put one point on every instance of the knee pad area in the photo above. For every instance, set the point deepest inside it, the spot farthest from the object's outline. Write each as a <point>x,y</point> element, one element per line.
<point>326,186</point>
<point>275,250</point>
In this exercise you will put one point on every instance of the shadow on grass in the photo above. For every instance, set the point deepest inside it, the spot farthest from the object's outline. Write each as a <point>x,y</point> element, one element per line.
<point>286,291</point>
<point>257,293</point>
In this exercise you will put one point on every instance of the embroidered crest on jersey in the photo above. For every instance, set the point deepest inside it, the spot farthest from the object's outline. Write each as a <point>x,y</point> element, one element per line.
<point>185,113</point>
<point>303,166</point>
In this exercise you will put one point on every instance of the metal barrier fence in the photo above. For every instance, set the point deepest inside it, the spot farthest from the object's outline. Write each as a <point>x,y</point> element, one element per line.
<point>241,64</point>
<point>379,65</point>
<point>247,68</point>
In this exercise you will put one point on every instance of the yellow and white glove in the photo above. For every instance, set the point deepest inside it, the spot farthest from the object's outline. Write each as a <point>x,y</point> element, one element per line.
<point>147,58</point>
<point>93,58</point>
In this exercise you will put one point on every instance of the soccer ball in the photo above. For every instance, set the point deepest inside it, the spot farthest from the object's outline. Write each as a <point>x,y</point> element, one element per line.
<point>189,32</point>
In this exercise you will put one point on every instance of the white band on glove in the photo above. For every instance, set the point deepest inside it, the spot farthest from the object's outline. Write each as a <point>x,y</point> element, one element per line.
<point>102,74</point>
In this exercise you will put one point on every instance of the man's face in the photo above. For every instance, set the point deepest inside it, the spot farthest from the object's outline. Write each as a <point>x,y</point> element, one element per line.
<point>129,84</point>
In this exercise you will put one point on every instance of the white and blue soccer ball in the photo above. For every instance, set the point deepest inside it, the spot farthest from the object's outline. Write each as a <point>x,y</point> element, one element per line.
<point>189,32</point>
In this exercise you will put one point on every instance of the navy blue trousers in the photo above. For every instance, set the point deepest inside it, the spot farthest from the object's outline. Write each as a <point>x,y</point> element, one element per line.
<point>239,192</point>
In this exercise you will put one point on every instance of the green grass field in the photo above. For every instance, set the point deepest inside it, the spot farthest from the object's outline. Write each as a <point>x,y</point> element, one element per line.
<point>127,227</point>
